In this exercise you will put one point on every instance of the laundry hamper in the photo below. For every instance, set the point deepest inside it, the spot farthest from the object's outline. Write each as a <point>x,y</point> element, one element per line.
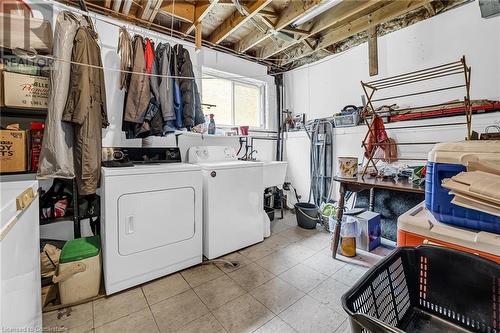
<point>427,289</point>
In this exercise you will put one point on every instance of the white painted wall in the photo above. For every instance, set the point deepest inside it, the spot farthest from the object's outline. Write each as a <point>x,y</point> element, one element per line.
<point>323,88</point>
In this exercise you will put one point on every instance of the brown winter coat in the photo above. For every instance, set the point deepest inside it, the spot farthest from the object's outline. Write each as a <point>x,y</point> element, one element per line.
<point>86,109</point>
<point>139,91</point>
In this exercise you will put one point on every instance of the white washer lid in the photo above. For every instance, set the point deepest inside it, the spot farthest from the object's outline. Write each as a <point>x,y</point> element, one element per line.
<point>229,165</point>
<point>151,168</point>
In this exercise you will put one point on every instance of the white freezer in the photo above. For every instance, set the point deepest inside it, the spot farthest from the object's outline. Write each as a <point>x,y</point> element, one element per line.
<point>20,285</point>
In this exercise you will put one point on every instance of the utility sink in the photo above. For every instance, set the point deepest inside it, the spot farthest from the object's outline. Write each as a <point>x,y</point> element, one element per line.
<point>274,173</point>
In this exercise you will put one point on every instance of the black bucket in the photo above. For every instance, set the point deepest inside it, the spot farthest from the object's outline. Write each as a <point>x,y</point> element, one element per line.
<point>307,215</point>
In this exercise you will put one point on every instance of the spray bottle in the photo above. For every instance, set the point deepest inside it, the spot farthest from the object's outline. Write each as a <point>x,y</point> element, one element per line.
<point>211,125</point>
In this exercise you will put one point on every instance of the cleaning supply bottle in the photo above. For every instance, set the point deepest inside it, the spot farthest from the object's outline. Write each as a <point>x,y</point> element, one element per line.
<point>205,124</point>
<point>211,125</point>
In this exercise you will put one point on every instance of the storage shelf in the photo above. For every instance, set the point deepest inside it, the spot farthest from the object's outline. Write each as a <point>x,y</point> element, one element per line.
<point>64,218</point>
<point>56,219</point>
<point>16,112</point>
<point>18,173</point>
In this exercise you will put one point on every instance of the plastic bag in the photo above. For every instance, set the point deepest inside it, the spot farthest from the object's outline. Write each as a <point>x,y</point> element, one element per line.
<point>350,227</point>
<point>328,209</point>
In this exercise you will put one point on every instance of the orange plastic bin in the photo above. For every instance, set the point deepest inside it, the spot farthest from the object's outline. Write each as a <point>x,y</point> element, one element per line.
<point>418,226</point>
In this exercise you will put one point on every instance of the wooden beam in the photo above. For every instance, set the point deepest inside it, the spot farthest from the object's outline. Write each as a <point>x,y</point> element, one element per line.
<point>155,8</point>
<point>381,15</point>
<point>197,38</point>
<point>181,10</point>
<point>201,10</point>
<point>335,16</point>
<point>308,43</point>
<point>235,20</point>
<point>292,12</point>
<point>430,9</point>
<point>268,13</point>
<point>373,51</point>
<point>267,22</point>
<point>107,3</point>
<point>296,31</point>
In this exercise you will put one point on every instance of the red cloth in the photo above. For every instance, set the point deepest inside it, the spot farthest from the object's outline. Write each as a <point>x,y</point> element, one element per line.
<point>149,55</point>
<point>376,135</point>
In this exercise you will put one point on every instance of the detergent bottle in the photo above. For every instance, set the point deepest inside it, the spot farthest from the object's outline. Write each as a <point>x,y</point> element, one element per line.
<point>211,125</point>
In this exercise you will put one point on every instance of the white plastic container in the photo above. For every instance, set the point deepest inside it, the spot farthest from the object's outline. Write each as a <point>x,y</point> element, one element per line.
<point>347,167</point>
<point>79,274</point>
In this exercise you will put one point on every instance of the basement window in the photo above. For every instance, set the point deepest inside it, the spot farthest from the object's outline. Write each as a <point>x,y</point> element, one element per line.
<point>235,101</point>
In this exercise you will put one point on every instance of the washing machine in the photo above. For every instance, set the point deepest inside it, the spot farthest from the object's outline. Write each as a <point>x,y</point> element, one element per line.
<point>151,216</point>
<point>232,200</point>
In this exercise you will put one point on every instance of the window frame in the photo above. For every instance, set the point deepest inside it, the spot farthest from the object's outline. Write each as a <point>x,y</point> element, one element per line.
<point>236,79</point>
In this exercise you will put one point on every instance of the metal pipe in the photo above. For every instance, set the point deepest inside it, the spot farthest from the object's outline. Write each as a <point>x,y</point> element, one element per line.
<point>278,79</point>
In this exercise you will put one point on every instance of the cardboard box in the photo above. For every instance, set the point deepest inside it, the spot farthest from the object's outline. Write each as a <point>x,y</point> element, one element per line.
<point>25,91</point>
<point>369,222</point>
<point>13,151</point>
<point>25,33</point>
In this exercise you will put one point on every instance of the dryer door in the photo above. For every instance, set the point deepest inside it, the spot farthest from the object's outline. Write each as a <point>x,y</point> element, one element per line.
<point>149,220</point>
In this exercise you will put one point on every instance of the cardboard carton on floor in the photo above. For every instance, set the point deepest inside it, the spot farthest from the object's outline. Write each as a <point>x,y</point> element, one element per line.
<point>13,150</point>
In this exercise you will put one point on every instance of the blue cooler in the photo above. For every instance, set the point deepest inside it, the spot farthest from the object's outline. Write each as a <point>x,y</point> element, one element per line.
<point>447,160</point>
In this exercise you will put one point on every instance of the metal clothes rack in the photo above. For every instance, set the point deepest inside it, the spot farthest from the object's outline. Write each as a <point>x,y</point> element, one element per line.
<point>456,68</point>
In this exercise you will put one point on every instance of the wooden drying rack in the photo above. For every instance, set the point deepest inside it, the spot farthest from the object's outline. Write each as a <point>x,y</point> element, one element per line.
<point>450,69</point>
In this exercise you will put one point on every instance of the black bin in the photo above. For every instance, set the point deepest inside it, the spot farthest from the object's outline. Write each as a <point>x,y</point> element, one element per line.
<point>307,215</point>
<point>427,289</point>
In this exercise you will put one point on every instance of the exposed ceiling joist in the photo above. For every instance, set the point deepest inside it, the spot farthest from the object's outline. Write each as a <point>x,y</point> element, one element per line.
<point>339,14</point>
<point>200,11</point>
<point>291,13</point>
<point>107,3</point>
<point>296,31</point>
<point>267,22</point>
<point>155,5</point>
<point>236,20</point>
<point>430,9</point>
<point>382,15</point>
<point>184,11</point>
<point>268,12</point>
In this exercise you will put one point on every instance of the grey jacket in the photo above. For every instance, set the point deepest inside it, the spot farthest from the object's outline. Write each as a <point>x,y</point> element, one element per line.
<point>139,92</point>
<point>164,57</point>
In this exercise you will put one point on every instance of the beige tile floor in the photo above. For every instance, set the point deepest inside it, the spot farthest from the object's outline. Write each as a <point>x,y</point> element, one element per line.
<point>287,283</point>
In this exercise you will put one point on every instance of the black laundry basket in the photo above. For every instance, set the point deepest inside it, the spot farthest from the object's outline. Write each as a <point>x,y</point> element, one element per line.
<point>427,289</point>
